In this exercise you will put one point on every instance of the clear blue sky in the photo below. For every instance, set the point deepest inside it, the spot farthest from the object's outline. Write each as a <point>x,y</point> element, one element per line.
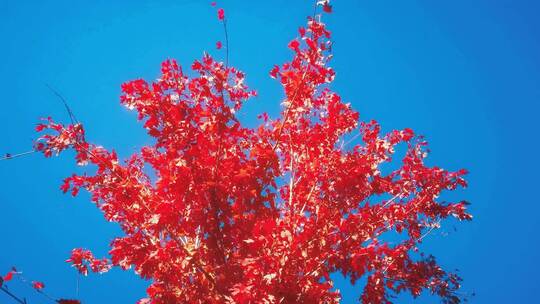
<point>464,73</point>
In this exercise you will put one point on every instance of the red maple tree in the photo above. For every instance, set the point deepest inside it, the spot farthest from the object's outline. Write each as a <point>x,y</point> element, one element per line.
<point>215,212</point>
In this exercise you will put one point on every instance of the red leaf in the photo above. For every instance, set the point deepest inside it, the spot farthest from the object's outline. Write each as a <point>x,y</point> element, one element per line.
<point>8,276</point>
<point>40,127</point>
<point>65,185</point>
<point>219,45</point>
<point>274,71</point>
<point>327,7</point>
<point>221,14</point>
<point>407,134</point>
<point>294,44</point>
<point>38,285</point>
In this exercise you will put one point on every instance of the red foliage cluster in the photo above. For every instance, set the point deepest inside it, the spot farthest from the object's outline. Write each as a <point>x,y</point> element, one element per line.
<point>82,259</point>
<point>264,215</point>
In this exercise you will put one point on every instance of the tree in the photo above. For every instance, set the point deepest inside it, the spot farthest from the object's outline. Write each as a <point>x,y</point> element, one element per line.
<point>215,212</point>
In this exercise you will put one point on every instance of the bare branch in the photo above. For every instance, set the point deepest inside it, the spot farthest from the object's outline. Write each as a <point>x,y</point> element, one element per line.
<point>9,156</point>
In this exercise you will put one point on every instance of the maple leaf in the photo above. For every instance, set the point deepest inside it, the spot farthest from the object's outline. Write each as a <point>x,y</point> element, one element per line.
<point>274,71</point>
<point>9,276</point>
<point>221,14</point>
<point>327,7</point>
<point>294,44</point>
<point>38,285</point>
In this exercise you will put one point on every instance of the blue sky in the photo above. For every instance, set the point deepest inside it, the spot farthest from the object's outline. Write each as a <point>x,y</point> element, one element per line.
<point>463,73</point>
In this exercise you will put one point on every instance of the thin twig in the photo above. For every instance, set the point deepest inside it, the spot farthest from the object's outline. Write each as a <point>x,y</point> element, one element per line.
<point>14,297</point>
<point>226,42</point>
<point>433,226</point>
<point>72,117</point>
<point>77,286</point>
<point>31,284</point>
<point>350,140</point>
<point>12,156</point>
<point>388,203</point>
